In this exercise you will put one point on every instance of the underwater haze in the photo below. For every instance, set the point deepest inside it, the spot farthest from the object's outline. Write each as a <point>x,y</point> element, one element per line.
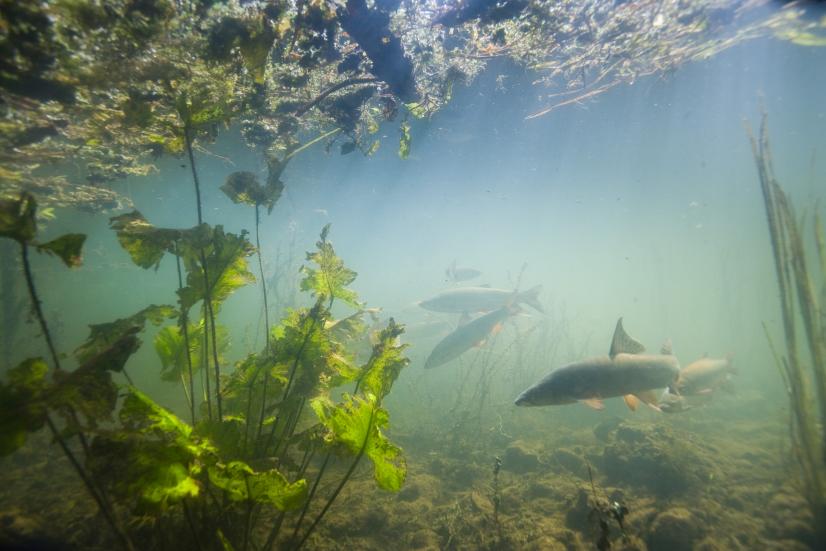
<point>641,204</point>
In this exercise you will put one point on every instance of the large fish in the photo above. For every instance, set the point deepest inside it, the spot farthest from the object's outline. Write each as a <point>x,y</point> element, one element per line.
<point>626,371</point>
<point>480,299</point>
<point>473,333</point>
<point>704,376</point>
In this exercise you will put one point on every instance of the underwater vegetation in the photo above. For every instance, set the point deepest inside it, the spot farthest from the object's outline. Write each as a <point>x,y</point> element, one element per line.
<point>802,360</point>
<point>113,86</point>
<point>266,450</point>
<point>245,453</point>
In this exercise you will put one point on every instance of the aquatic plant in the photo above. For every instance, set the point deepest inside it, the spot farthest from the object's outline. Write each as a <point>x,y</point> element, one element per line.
<point>114,85</point>
<point>222,475</point>
<point>802,361</point>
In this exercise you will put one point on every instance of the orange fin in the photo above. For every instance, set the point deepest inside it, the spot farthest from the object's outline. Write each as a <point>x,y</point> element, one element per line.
<point>631,401</point>
<point>649,398</point>
<point>496,329</point>
<point>594,403</point>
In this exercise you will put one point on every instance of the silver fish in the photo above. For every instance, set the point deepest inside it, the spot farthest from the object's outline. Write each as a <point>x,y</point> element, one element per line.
<point>473,333</point>
<point>704,376</point>
<point>457,274</point>
<point>480,299</point>
<point>626,372</point>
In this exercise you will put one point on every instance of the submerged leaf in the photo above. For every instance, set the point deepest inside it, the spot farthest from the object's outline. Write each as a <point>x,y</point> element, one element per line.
<point>355,427</point>
<point>145,243</point>
<point>226,265</point>
<point>66,247</point>
<point>404,140</point>
<point>89,389</point>
<point>386,362</point>
<point>244,187</point>
<point>332,276</point>
<point>103,335</point>
<point>17,218</point>
<point>22,409</point>
<point>169,345</point>
<point>242,483</point>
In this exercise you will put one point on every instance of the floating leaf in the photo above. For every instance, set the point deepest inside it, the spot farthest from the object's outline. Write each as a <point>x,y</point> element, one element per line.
<point>17,218</point>
<point>22,409</point>
<point>242,483</point>
<point>404,140</point>
<point>68,247</point>
<point>331,277</point>
<point>355,427</point>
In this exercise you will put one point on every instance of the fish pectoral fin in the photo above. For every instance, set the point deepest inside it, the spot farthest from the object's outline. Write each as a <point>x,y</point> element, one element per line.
<point>496,329</point>
<point>623,343</point>
<point>649,398</point>
<point>594,403</point>
<point>631,401</point>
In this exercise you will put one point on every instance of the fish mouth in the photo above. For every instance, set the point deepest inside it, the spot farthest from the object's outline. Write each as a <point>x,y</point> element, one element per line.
<point>522,401</point>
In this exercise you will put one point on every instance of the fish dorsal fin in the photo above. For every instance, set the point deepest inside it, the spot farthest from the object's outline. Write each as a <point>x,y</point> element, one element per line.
<point>623,343</point>
<point>667,348</point>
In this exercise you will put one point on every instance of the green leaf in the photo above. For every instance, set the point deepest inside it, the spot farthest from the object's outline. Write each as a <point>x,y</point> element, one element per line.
<point>255,48</point>
<point>331,277</point>
<point>145,243</point>
<point>301,343</point>
<point>67,247</point>
<point>404,140</point>
<point>169,345</point>
<point>226,264</point>
<point>89,389</point>
<point>355,427</point>
<point>154,457</point>
<point>243,187</point>
<point>22,409</point>
<point>386,362</point>
<point>103,335</point>
<point>242,483</point>
<point>17,218</point>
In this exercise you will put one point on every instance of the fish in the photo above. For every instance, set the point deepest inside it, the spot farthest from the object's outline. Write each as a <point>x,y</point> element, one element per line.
<point>456,275</point>
<point>480,299</point>
<point>673,403</point>
<point>704,376</point>
<point>473,333</point>
<point>626,371</point>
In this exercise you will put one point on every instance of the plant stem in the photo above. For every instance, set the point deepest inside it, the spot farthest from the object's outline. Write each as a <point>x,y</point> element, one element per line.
<point>96,494</point>
<point>267,336</point>
<point>27,271</point>
<point>314,319</point>
<point>342,483</point>
<point>311,494</point>
<point>87,481</point>
<point>185,331</point>
<point>207,288</point>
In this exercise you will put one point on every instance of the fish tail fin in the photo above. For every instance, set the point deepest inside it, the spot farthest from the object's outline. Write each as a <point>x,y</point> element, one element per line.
<point>531,298</point>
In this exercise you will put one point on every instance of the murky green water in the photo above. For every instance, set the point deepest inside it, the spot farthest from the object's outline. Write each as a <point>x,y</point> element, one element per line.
<point>326,431</point>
